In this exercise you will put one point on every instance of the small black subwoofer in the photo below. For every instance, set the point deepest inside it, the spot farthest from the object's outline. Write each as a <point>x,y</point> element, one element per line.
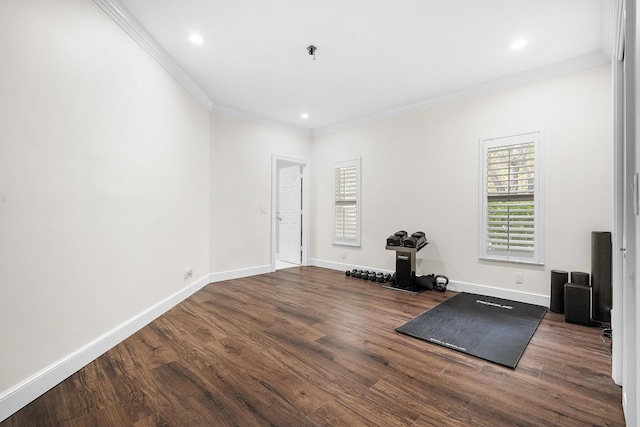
<point>580,278</point>
<point>577,304</point>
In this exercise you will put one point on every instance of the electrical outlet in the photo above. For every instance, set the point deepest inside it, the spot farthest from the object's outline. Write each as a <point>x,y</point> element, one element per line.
<point>188,273</point>
<point>519,278</point>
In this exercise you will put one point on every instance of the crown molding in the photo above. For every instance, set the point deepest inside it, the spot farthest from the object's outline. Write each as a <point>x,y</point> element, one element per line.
<point>542,73</point>
<point>611,45</point>
<point>259,120</point>
<point>133,28</point>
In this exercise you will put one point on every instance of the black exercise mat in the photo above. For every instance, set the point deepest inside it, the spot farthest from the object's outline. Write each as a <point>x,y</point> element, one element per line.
<point>492,328</point>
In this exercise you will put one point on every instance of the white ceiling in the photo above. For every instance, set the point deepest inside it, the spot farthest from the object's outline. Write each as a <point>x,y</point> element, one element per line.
<point>373,58</point>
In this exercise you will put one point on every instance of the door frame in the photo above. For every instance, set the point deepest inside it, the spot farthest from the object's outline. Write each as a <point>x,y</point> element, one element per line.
<point>278,161</point>
<point>625,320</point>
<point>621,211</point>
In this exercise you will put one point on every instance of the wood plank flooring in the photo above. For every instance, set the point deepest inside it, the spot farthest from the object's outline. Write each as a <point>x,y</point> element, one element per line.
<point>310,347</point>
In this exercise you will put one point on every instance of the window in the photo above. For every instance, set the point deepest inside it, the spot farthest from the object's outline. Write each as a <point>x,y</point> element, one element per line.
<point>511,203</point>
<point>346,220</point>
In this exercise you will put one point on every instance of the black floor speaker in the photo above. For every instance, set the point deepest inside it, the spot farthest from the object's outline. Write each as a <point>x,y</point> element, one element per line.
<point>559,278</point>
<point>577,304</point>
<point>601,275</point>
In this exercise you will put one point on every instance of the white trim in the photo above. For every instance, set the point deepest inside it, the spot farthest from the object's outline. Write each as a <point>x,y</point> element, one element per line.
<point>615,20</point>
<point>306,206</point>
<point>136,31</point>
<point>23,393</point>
<point>259,120</point>
<point>357,163</point>
<point>238,274</point>
<point>133,28</point>
<point>20,395</point>
<point>618,235</point>
<point>537,256</point>
<point>490,291</point>
<point>36,385</point>
<point>538,299</point>
<point>542,73</point>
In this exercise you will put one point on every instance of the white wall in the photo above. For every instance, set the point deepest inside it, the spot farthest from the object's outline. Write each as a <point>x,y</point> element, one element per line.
<point>104,183</point>
<point>241,160</point>
<point>420,172</point>
<point>113,180</point>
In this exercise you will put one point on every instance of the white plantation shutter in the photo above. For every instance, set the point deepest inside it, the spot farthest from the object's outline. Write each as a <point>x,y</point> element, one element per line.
<point>511,214</point>
<point>510,196</point>
<point>346,224</point>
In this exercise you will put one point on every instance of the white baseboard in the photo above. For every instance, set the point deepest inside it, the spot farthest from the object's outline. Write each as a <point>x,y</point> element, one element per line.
<point>20,395</point>
<point>237,274</point>
<point>490,291</point>
<point>23,393</point>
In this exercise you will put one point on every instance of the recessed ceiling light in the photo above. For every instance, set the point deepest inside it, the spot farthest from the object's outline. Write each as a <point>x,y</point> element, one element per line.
<point>518,44</point>
<point>196,38</point>
<point>304,116</point>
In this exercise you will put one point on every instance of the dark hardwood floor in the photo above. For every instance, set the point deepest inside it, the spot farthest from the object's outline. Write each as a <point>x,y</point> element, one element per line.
<point>311,347</point>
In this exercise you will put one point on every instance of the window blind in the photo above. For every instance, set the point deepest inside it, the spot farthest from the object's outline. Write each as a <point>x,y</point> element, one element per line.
<point>346,203</point>
<point>510,193</point>
<point>346,206</point>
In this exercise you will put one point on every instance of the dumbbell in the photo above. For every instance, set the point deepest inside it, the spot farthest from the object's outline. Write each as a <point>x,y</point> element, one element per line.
<point>357,274</point>
<point>372,276</point>
<point>387,277</point>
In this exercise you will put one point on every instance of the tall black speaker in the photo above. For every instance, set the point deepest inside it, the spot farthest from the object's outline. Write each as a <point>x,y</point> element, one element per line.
<point>601,275</point>
<point>559,278</point>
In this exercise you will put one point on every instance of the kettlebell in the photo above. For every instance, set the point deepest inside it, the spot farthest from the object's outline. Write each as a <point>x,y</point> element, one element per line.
<point>441,283</point>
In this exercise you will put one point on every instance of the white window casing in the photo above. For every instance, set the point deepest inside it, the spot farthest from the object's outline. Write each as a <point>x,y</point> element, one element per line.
<point>346,201</point>
<point>511,202</point>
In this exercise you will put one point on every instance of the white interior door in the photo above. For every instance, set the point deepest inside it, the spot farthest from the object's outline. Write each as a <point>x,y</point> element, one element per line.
<point>290,214</point>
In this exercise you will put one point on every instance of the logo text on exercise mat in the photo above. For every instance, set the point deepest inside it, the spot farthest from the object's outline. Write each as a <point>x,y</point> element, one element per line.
<point>493,304</point>
<point>446,344</point>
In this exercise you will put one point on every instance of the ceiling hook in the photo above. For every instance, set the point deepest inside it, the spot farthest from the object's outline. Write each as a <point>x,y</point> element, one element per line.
<point>312,51</point>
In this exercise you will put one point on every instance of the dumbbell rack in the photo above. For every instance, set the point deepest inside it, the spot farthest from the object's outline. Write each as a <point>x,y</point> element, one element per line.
<point>405,269</point>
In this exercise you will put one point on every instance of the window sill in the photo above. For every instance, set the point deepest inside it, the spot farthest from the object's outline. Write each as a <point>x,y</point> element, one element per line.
<point>356,245</point>
<point>511,261</point>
